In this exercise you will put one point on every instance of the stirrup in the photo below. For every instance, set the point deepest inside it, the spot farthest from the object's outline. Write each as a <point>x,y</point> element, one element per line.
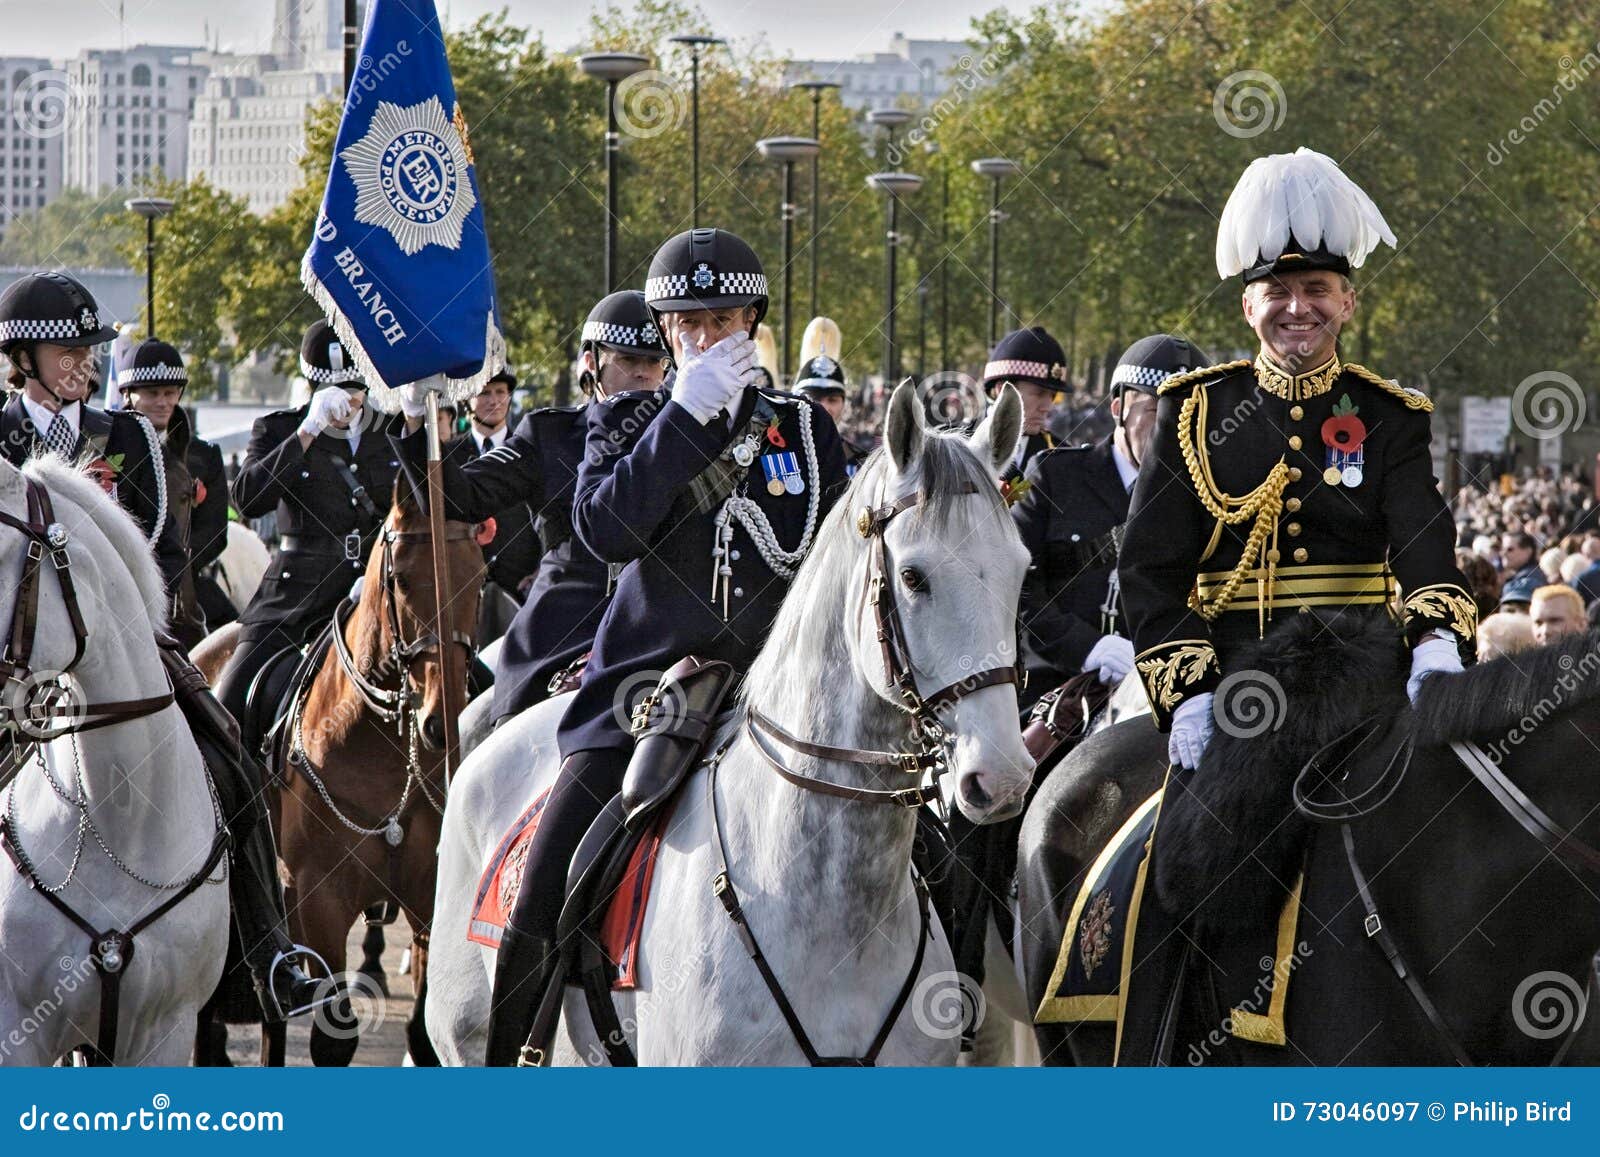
<point>327,984</point>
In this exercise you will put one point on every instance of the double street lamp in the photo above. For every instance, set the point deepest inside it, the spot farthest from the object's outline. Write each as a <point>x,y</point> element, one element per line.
<point>786,151</point>
<point>613,68</point>
<point>894,186</point>
<point>997,169</point>
<point>695,44</point>
<point>814,240</point>
<point>150,208</point>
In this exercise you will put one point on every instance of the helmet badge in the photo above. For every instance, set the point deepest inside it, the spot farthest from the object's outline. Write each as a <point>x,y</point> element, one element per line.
<point>703,276</point>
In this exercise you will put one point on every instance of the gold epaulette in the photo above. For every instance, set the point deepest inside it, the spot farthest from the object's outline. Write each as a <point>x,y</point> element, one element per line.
<point>1189,378</point>
<point>1414,399</point>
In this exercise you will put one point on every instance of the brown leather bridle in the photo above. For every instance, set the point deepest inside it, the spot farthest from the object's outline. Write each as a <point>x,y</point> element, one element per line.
<point>48,711</point>
<point>926,729</point>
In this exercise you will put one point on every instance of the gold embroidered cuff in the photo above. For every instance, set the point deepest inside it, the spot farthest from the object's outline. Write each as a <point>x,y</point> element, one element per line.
<point>1174,671</point>
<point>1441,605</point>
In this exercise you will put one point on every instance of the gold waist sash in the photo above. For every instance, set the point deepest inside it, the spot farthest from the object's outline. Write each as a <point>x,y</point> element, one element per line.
<point>1296,586</point>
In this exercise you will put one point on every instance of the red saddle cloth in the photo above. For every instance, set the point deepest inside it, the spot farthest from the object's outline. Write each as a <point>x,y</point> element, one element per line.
<point>624,919</point>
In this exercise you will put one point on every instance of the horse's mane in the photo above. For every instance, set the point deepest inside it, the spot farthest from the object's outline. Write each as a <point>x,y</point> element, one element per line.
<point>945,469</point>
<point>127,539</point>
<point>1493,699</point>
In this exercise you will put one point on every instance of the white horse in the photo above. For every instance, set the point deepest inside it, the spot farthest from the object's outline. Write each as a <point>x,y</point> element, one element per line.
<point>95,809</point>
<point>825,883</point>
<point>241,564</point>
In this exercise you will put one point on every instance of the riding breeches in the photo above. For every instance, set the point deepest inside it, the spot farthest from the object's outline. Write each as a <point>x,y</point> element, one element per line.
<point>233,684</point>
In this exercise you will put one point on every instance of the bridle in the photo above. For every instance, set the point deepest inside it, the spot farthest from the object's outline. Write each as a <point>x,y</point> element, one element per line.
<point>398,706</point>
<point>927,732</point>
<point>48,710</point>
<point>1566,846</point>
<point>36,722</point>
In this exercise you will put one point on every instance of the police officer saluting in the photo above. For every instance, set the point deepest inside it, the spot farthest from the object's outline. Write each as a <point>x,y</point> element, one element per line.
<point>622,355</point>
<point>51,330</point>
<point>1070,515</point>
<point>1035,363</point>
<point>1289,481</point>
<point>151,378</point>
<point>328,470</point>
<point>713,490</point>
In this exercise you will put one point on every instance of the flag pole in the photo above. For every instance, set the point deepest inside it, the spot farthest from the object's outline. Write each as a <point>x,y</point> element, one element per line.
<point>453,693</point>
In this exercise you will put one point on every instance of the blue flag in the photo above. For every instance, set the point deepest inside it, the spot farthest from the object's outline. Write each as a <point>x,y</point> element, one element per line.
<point>400,260</point>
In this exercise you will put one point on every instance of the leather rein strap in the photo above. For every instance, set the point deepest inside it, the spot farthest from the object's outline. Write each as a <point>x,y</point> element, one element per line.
<point>899,675</point>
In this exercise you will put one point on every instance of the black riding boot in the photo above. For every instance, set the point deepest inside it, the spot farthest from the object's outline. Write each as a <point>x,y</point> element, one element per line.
<point>529,956</point>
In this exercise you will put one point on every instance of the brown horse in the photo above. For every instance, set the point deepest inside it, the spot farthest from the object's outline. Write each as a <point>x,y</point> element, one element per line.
<point>361,787</point>
<point>363,781</point>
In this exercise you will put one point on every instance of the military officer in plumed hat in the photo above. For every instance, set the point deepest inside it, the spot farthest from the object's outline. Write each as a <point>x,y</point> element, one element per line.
<point>1071,513</point>
<point>1290,480</point>
<point>150,376</point>
<point>622,354</point>
<point>712,463</point>
<point>328,470</point>
<point>1035,363</point>
<point>51,331</point>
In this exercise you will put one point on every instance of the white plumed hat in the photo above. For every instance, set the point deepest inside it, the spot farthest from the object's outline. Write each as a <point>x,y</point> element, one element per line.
<point>1297,211</point>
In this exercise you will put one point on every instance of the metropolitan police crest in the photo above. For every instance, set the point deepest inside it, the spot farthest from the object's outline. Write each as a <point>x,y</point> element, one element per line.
<point>410,173</point>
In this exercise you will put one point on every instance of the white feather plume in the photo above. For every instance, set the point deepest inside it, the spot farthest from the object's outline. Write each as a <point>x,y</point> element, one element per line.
<point>1303,195</point>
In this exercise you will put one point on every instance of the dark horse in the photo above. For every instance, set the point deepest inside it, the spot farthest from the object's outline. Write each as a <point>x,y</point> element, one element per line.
<point>1482,886</point>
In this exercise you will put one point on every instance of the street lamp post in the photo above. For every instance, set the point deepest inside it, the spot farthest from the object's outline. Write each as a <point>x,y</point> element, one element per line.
<point>786,151</point>
<point>814,241</point>
<point>695,44</point>
<point>933,150</point>
<point>613,68</point>
<point>888,119</point>
<point>893,186</point>
<point>997,169</point>
<point>150,208</point>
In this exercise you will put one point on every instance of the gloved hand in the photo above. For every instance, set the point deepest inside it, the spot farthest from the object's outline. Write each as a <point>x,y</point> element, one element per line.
<point>1434,653</point>
<point>1191,731</point>
<point>328,405</point>
<point>1112,656</point>
<point>414,399</point>
<point>709,381</point>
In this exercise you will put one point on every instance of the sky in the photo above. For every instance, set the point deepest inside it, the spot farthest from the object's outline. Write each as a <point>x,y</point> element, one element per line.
<point>825,29</point>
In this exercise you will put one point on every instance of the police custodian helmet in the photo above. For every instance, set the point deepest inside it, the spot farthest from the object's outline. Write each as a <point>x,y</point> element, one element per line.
<point>50,307</point>
<point>706,269</point>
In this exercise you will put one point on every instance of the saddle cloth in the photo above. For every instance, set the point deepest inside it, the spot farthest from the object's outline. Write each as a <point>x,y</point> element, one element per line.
<point>1097,958</point>
<point>623,922</point>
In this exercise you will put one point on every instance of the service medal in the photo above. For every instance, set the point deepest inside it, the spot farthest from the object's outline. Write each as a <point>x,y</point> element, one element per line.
<point>744,453</point>
<point>775,487</point>
<point>1332,476</point>
<point>1352,476</point>
<point>790,465</point>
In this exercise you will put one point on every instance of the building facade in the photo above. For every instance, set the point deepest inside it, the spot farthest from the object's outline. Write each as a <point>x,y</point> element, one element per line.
<point>912,72</point>
<point>130,118</point>
<point>37,106</point>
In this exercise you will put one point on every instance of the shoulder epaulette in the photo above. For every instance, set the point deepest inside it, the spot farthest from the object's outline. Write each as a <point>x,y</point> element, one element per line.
<point>1184,380</point>
<point>1413,399</point>
<point>559,409</point>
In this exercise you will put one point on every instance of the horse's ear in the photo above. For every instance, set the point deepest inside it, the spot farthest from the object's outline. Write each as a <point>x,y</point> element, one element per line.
<point>995,439</point>
<point>904,428</point>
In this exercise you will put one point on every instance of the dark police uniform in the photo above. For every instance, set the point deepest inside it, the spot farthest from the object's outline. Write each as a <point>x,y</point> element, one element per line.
<point>1073,501</point>
<point>513,554</point>
<point>208,530</point>
<point>1307,524</point>
<point>535,469</point>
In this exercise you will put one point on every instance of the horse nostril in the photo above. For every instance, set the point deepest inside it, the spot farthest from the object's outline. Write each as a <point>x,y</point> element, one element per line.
<point>973,793</point>
<point>433,731</point>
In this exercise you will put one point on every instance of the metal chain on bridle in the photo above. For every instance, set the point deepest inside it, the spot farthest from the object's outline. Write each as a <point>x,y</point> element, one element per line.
<point>398,705</point>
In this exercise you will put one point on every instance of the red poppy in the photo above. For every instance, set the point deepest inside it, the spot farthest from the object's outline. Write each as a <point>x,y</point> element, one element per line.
<point>485,532</point>
<point>199,492</point>
<point>1344,431</point>
<point>774,437</point>
<point>104,472</point>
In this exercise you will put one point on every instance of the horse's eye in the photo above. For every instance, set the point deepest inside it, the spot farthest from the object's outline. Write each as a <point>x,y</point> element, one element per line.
<point>401,583</point>
<point>913,579</point>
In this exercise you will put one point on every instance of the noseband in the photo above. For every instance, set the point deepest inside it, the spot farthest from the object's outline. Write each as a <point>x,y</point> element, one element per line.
<point>927,732</point>
<point>48,711</point>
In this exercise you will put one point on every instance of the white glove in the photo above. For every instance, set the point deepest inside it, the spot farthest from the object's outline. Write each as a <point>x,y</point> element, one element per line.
<point>708,382</point>
<point>1113,656</point>
<point>413,399</point>
<point>1191,731</point>
<point>1434,653</point>
<point>328,405</point>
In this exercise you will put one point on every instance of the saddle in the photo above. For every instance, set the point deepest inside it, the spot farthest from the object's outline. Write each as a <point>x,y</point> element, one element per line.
<point>273,694</point>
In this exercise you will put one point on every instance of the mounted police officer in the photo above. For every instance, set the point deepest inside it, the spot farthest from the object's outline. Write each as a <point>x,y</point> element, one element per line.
<point>712,490</point>
<point>1273,486</point>
<point>328,470</point>
<point>1035,363</point>
<point>151,377</point>
<point>1070,514</point>
<point>50,330</point>
<point>536,468</point>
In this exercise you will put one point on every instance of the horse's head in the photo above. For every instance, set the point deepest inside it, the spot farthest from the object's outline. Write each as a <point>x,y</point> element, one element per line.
<point>399,591</point>
<point>952,563</point>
